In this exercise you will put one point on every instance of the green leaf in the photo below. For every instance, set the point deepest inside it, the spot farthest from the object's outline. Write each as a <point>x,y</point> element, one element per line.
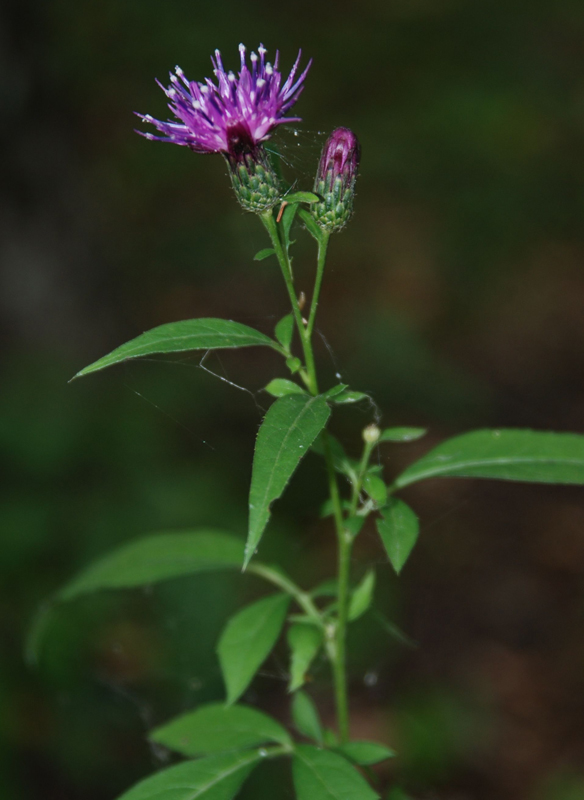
<point>215,728</point>
<point>322,775</point>
<point>176,337</point>
<point>285,330</point>
<point>362,596</point>
<point>393,630</point>
<point>301,197</point>
<point>402,434</point>
<point>214,778</point>
<point>375,488</point>
<point>289,428</point>
<point>280,387</point>
<point>157,558</point>
<point>346,397</point>
<point>287,220</point>
<point>365,753</point>
<point>311,224</point>
<point>512,455</point>
<point>335,390</point>
<point>398,528</point>
<point>293,364</point>
<point>327,509</point>
<point>265,253</point>
<point>305,641</point>
<point>354,525</point>
<point>247,640</point>
<point>305,717</point>
<point>341,462</point>
<point>398,794</point>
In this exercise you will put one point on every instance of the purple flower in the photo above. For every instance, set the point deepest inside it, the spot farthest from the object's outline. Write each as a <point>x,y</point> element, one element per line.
<point>234,115</point>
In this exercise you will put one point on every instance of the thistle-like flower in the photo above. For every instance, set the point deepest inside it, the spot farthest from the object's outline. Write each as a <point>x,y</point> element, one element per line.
<point>335,180</point>
<point>234,117</point>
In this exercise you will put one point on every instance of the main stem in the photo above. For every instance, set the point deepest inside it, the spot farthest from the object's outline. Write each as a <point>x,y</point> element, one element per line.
<point>336,645</point>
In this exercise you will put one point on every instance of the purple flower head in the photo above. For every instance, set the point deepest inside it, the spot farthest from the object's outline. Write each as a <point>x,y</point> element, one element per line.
<point>340,158</point>
<point>335,180</point>
<point>235,114</point>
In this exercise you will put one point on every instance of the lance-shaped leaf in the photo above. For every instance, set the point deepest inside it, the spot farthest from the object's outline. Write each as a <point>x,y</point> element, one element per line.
<point>247,640</point>
<point>288,430</point>
<point>513,455</point>
<point>214,778</point>
<point>365,753</point>
<point>305,641</point>
<point>188,334</point>
<point>362,596</point>
<point>322,775</point>
<point>157,558</point>
<point>398,529</point>
<point>216,728</point>
<point>305,717</point>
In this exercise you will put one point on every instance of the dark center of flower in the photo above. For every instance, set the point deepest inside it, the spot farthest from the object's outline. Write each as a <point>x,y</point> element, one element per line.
<point>239,141</point>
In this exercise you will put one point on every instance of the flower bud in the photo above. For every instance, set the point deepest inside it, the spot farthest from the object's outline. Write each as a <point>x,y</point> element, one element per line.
<point>335,180</point>
<point>253,178</point>
<point>371,434</point>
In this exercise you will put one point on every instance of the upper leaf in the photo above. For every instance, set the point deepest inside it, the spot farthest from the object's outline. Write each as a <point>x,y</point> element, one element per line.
<point>398,528</point>
<point>366,753</point>
<point>362,596</point>
<point>513,455</point>
<point>284,331</point>
<point>322,775</point>
<point>217,777</point>
<point>247,640</point>
<point>215,728</point>
<point>289,428</point>
<point>280,387</point>
<point>189,334</point>
<point>402,434</point>
<point>305,641</point>
<point>157,558</point>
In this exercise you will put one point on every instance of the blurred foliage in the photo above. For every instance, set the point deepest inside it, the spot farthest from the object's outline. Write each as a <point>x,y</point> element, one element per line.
<point>455,296</point>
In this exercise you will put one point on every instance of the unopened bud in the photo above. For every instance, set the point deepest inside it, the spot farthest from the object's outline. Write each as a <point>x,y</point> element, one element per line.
<point>335,180</point>
<point>371,434</point>
<point>254,180</point>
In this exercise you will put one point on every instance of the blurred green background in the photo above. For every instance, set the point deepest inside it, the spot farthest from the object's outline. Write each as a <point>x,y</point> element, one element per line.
<point>456,297</point>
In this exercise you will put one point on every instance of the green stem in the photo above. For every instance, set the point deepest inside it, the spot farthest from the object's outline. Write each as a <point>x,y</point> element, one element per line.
<point>322,248</point>
<point>272,229</point>
<point>303,599</point>
<point>336,646</point>
<point>358,485</point>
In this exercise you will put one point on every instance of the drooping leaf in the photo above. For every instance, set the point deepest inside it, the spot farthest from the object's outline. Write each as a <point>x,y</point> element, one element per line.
<point>301,197</point>
<point>341,461</point>
<point>375,488</point>
<point>284,331</point>
<point>287,432</point>
<point>311,224</point>
<point>280,387</point>
<point>349,396</point>
<point>287,220</point>
<point>189,334</point>
<point>335,390</point>
<point>247,640</point>
<point>265,253</point>
<point>362,596</point>
<point>216,728</point>
<point>157,558</point>
<point>328,588</point>
<point>513,455</point>
<point>217,777</point>
<point>305,717</point>
<point>322,775</point>
<point>398,528</point>
<point>365,753</point>
<point>402,434</point>
<point>305,641</point>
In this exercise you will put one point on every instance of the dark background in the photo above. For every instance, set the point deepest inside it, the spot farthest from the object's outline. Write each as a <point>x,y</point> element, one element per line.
<point>455,297</point>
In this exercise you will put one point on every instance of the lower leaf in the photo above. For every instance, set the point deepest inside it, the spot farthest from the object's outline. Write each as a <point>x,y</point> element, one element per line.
<point>322,775</point>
